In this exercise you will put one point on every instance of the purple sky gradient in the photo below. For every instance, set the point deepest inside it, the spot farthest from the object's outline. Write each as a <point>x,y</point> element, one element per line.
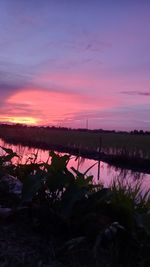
<point>63,62</point>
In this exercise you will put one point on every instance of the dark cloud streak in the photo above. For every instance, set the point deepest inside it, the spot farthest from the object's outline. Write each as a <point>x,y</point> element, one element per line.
<point>138,93</point>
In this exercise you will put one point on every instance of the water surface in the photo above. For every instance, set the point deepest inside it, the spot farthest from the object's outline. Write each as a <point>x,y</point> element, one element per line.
<point>107,172</point>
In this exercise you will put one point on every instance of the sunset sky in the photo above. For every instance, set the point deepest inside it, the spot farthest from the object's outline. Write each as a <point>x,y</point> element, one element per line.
<point>63,62</point>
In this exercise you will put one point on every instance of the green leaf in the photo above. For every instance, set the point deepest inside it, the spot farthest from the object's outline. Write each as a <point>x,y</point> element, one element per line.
<point>59,180</point>
<point>31,186</point>
<point>72,195</point>
<point>79,174</point>
<point>7,150</point>
<point>9,157</point>
<point>89,168</point>
<point>59,162</point>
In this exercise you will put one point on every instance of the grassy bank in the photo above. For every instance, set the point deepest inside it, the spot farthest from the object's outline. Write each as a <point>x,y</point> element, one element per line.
<point>131,151</point>
<point>62,219</point>
<point>109,142</point>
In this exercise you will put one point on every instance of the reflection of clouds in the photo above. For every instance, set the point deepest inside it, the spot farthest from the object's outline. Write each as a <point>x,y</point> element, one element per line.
<point>137,175</point>
<point>108,173</point>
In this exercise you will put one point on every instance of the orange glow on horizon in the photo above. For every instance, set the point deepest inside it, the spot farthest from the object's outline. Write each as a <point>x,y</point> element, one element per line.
<point>21,120</point>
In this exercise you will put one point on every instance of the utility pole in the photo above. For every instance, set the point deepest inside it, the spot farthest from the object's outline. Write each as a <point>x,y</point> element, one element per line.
<point>87,124</point>
<point>99,162</point>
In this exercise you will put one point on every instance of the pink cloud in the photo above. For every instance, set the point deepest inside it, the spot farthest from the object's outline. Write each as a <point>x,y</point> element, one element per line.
<point>54,106</point>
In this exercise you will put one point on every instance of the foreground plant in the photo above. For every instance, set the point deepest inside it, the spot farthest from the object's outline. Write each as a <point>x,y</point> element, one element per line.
<point>104,226</point>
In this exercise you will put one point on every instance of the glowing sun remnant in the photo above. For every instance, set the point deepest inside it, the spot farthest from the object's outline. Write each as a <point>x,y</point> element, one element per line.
<point>21,120</point>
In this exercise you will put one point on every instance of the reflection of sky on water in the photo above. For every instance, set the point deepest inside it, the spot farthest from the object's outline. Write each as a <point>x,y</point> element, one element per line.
<point>107,172</point>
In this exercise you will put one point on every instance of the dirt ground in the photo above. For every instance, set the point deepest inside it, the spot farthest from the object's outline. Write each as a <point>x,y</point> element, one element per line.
<point>23,246</point>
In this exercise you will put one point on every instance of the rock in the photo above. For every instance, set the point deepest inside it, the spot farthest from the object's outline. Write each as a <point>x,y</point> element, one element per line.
<point>10,185</point>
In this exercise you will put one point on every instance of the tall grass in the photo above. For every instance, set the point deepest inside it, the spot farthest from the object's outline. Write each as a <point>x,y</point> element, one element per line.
<point>122,144</point>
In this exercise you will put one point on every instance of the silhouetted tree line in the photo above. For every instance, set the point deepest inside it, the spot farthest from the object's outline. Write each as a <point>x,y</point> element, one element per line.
<point>18,125</point>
